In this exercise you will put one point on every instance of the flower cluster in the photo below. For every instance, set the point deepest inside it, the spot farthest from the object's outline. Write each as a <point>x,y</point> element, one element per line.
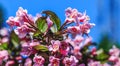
<point>41,40</point>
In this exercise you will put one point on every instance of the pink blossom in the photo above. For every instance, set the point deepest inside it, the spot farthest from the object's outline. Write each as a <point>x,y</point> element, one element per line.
<point>85,28</point>
<point>38,60</point>
<point>23,16</point>
<point>82,65</point>
<point>87,41</point>
<point>117,63</point>
<point>64,48</point>
<point>21,12</point>
<point>113,58</point>
<point>23,31</point>
<point>55,45</point>
<point>94,63</point>
<point>3,55</point>
<point>72,15</point>
<point>5,39</point>
<point>72,61</point>
<point>74,30</point>
<point>28,62</point>
<point>4,32</point>
<point>49,22</point>
<point>78,40</point>
<point>114,51</point>
<point>10,63</point>
<point>28,48</point>
<point>54,61</point>
<point>97,63</point>
<point>93,51</point>
<point>13,21</point>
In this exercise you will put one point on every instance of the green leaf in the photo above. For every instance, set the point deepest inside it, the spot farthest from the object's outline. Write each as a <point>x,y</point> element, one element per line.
<point>53,29</point>
<point>42,24</point>
<point>101,55</point>
<point>41,48</point>
<point>3,46</point>
<point>14,39</point>
<point>53,17</point>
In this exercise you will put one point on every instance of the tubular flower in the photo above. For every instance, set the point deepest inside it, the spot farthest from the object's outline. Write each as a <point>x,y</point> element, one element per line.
<point>38,60</point>
<point>72,61</point>
<point>72,15</point>
<point>54,61</point>
<point>55,45</point>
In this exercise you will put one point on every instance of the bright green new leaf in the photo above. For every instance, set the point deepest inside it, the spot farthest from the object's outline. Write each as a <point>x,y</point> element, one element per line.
<point>3,46</point>
<point>41,48</point>
<point>42,24</point>
<point>14,39</point>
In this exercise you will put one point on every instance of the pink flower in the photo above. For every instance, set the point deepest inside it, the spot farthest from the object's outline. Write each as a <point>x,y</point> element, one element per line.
<point>72,61</point>
<point>78,40</point>
<point>23,31</point>
<point>10,63</point>
<point>49,22</point>
<point>72,15</point>
<point>82,65</point>
<point>88,41</point>
<point>54,61</point>
<point>28,48</point>
<point>13,21</point>
<point>74,30</point>
<point>114,51</point>
<point>23,16</point>
<point>28,62</point>
<point>97,63</point>
<point>38,60</point>
<point>113,58</point>
<point>5,39</point>
<point>93,51</point>
<point>4,32</point>
<point>85,28</point>
<point>94,63</point>
<point>55,45</point>
<point>21,12</point>
<point>3,55</point>
<point>117,63</point>
<point>64,48</point>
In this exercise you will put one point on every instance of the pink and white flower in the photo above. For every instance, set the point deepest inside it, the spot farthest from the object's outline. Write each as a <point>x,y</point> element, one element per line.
<point>28,62</point>
<point>72,15</point>
<point>3,56</point>
<point>38,60</point>
<point>54,61</point>
<point>72,61</point>
<point>55,45</point>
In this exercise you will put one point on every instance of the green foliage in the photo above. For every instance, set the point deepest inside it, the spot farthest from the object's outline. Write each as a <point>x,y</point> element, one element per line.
<point>14,39</point>
<point>105,43</point>
<point>53,17</point>
<point>102,56</point>
<point>41,48</point>
<point>3,46</point>
<point>42,24</point>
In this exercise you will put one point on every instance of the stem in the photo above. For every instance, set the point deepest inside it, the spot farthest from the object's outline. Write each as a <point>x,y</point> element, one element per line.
<point>63,25</point>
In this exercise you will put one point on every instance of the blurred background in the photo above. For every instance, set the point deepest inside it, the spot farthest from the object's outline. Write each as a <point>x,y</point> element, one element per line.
<point>104,13</point>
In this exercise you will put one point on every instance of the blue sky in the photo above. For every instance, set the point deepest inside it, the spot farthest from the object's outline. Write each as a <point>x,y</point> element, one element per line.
<point>58,6</point>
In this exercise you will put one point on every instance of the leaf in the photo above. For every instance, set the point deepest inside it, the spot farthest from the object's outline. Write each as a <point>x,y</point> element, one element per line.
<point>42,24</point>
<point>3,46</point>
<point>53,17</point>
<point>101,55</point>
<point>14,39</point>
<point>41,48</point>
<point>53,29</point>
